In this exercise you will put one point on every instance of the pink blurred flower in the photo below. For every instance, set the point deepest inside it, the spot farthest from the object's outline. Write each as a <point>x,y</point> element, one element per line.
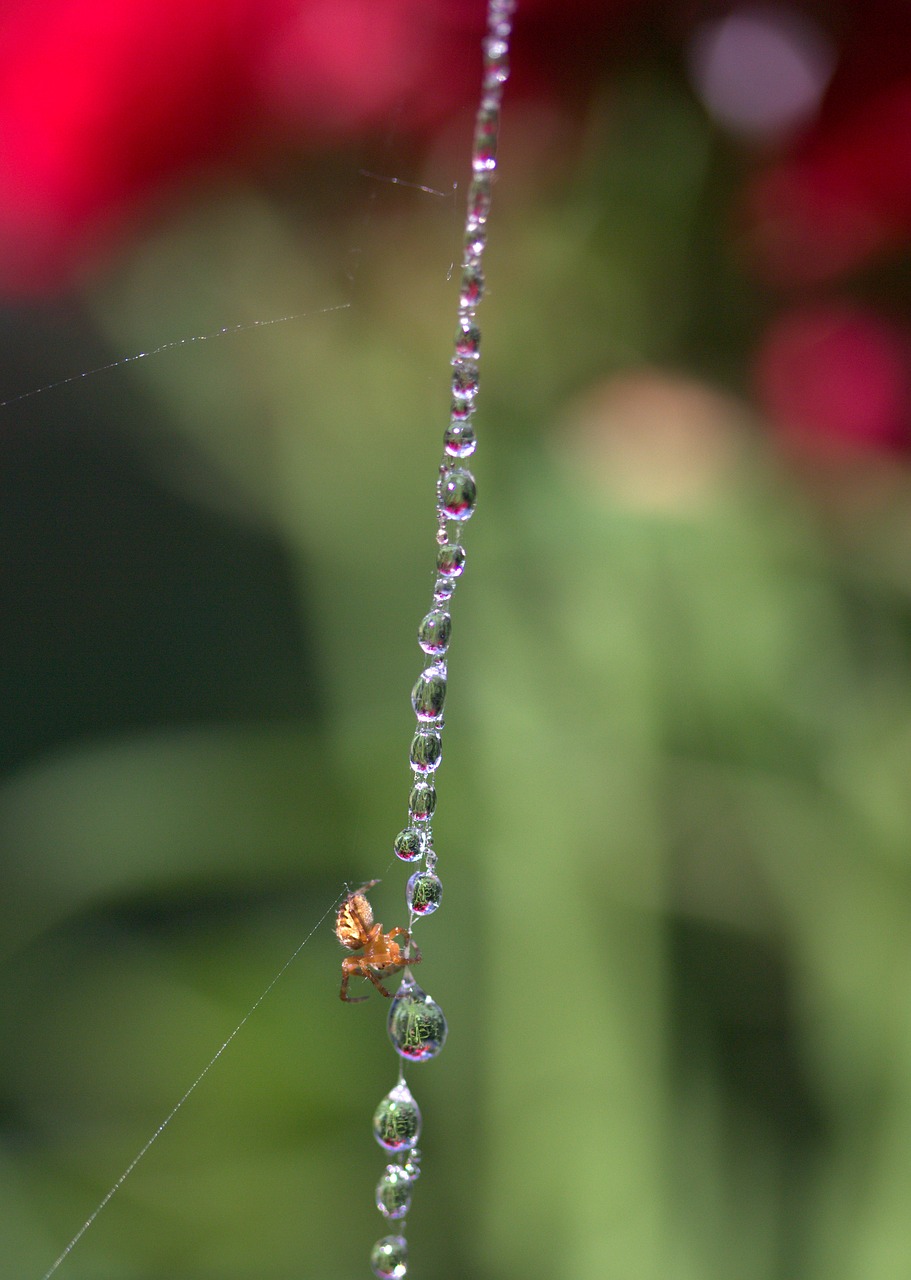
<point>103,103</point>
<point>835,379</point>
<point>841,199</point>
<point>841,195</point>
<point>107,104</point>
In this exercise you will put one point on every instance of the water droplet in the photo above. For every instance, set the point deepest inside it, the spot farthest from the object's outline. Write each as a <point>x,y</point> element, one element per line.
<point>397,1120</point>
<point>443,589</point>
<point>496,62</point>
<point>479,194</point>
<point>465,381</point>
<point>424,893</point>
<point>412,1164</point>
<point>423,800</point>
<point>460,410</point>
<point>468,340</point>
<point>484,156</point>
<point>451,560</point>
<point>434,632</point>
<point>458,493</point>
<point>426,751</point>
<point>475,243</point>
<point>393,1192</point>
<point>416,1025</point>
<point>459,440</point>
<point>409,844</point>
<point>389,1258</point>
<point>429,693</point>
<point>472,287</point>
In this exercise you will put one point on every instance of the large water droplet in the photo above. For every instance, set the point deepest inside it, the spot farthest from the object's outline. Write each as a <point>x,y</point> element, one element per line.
<point>426,751</point>
<point>416,1025</point>
<point>389,1258</point>
<point>429,693</point>
<point>458,493</point>
<point>423,800</point>
<point>424,893</point>
<point>409,844</point>
<point>434,632</point>
<point>393,1192</point>
<point>397,1120</point>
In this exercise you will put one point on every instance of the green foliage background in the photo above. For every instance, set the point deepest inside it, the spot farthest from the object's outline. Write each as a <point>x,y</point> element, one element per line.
<point>674,819</point>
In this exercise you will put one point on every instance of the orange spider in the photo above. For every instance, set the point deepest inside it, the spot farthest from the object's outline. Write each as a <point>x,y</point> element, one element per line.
<point>355,930</point>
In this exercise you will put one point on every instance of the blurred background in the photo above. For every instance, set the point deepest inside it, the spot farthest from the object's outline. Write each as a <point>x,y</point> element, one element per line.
<point>674,823</point>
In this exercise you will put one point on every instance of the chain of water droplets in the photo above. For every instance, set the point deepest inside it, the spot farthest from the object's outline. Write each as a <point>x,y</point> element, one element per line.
<point>416,1024</point>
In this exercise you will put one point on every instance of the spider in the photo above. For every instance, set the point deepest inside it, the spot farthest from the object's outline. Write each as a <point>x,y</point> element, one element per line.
<point>381,957</point>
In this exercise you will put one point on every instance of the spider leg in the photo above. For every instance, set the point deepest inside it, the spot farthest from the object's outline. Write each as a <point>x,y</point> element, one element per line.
<point>414,956</point>
<point>346,977</point>
<point>379,986</point>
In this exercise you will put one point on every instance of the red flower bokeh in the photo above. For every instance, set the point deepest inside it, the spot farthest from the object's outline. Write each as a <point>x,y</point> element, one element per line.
<point>108,105</point>
<point>836,381</point>
<point>833,375</point>
<point>104,102</point>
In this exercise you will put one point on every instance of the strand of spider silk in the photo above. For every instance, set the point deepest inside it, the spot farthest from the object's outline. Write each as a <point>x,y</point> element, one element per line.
<point>223,332</point>
<point>109,1195</point>
<point>417,1025</point>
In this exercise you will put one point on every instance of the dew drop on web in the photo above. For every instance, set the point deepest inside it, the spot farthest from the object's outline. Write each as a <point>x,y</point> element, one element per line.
<point>389,1258</point>
<point>416,1024</point>
<point>397,1120</point>
<point>424,893</point>
<point>393,1192</point>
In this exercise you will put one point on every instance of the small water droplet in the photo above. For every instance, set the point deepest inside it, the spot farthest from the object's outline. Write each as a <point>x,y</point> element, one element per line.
<point>412,1164</point>
<point>443,589</point>
<point>435,631</point>
<point>389,1258</point>
<point>426,751</point>
<point>409,845</point>
<point>468,340</point>
<point>393,1192</point>
<point>416,1025</point>
<point>465,381</point>
<point>459,440</point>
<point>460,410</point>
<point>458,493</point>
<point>496,62</point>
<point>429,693</point>
<point>397,1120</point>
<point>472,287</point>
<point>479,196</point>
<point>475,242</point>
<point>424,893</point>
<point>451,560</point>
<point>484,156</point>
<point>423,800</point>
